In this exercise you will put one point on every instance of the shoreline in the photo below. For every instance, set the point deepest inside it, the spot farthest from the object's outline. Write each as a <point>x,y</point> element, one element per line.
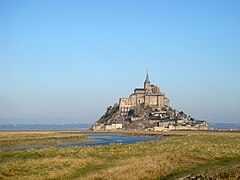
<point>36,140</point>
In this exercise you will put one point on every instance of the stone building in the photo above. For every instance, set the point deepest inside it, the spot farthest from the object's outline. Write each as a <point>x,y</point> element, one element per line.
<point>150,95</point>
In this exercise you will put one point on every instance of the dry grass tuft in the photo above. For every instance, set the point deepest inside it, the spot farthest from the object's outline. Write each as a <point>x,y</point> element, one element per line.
<point>150,167</point>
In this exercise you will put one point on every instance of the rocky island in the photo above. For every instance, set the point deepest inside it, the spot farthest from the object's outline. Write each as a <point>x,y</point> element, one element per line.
<point>148,109</point>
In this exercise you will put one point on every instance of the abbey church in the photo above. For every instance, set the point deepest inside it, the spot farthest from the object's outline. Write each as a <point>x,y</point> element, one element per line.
<point>150,96</point>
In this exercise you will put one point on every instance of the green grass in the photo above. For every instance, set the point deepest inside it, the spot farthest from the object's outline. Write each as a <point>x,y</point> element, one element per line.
<point>179,155</point>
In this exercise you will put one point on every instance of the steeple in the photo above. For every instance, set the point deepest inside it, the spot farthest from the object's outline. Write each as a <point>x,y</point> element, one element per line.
<point>147,77</point>
<point>147,83</point>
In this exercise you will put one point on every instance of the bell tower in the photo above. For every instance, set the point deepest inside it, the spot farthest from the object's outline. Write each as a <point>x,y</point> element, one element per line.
<point>147,83</point>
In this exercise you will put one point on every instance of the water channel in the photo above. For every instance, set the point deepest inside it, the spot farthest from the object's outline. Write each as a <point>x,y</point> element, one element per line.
<point>112,139</point>
<point>100,139</point>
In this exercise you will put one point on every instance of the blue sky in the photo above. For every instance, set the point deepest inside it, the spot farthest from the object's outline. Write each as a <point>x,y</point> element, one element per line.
<point>66,61</point>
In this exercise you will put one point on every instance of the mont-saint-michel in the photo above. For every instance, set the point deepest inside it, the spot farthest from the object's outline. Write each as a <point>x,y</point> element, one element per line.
<point>148,109</point>
<point>62,63</point>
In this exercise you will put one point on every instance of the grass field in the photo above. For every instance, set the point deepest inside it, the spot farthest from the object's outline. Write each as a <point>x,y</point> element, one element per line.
<point>182,155</point>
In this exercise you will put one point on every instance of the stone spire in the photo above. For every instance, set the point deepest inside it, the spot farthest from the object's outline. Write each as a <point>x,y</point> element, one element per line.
<point>147,77</point>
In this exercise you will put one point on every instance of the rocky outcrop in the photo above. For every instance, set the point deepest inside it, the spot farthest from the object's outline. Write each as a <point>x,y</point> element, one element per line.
<point>148,118</point>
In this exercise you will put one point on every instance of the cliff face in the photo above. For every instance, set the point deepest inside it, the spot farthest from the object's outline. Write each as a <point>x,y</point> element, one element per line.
<point>111,111</point>
<point>148,118</point>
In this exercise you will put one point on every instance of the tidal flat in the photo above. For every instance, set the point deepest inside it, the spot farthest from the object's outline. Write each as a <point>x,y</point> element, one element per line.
<point>181,155</point>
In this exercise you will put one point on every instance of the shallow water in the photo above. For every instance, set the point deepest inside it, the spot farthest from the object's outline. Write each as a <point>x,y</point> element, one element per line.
<point>112,139</point>
<point>100,140</point>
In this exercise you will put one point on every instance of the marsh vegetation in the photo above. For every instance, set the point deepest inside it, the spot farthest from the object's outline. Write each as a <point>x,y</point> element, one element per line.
<point>180,155</point>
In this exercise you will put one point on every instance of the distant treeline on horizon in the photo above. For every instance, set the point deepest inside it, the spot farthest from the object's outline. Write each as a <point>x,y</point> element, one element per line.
<point>225,126</point>
<point>39,127</point>
<point>58,127</point>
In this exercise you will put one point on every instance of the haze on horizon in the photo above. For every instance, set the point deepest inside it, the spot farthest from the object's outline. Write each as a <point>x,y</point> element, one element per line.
<point>66,61</point>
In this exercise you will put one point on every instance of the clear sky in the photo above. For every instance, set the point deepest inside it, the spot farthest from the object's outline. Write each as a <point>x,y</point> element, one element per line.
<point>66,61</point>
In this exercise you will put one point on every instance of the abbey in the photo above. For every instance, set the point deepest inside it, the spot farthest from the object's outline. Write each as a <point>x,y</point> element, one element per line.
<point>150,96</point>
<point>147,109</point>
